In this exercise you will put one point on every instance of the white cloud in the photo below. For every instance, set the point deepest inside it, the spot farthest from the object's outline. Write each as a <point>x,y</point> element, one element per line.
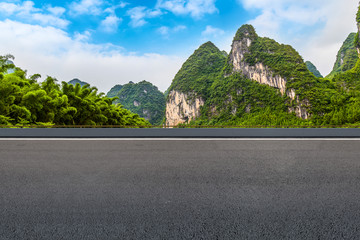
<point>57,11</point>
<point>82,37</point>
<point>8,8</point>
<point>316,28</point>
<point>49,20</point>
<point>27,11</point>
<point>212,32</point>
<point>112,9</point>
<point>163,30</point>
<point>139,14</point>
<point>110,24</point>
<point>26,8</point>
<point>196,8</point>
<point>179,28</point>
<point>92,7</point>
<point>50,51</point>
<point>123,4</point>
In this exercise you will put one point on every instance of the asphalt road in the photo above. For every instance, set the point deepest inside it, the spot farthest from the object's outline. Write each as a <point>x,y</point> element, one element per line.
<point>189,189</point>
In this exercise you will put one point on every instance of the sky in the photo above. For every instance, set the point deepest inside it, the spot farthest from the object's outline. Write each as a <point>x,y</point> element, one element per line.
<point>109,42</point>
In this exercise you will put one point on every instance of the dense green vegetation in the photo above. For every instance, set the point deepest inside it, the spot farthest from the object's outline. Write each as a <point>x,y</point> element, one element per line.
<point>349,81</point>
<point>346,57</point>
<point>142,98</point>
<point>237,101</point>
<point>114,91</point>
<point>197,74</point>
<point>311,67</point>
<point>282,59</point>
<point>24,101</point>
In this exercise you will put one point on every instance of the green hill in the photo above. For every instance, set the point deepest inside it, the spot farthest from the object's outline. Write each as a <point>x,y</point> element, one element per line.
<point>114,91</point>
<point>142,98</point>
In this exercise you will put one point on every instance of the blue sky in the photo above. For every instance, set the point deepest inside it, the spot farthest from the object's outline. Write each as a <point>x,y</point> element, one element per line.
<point>108,42</point>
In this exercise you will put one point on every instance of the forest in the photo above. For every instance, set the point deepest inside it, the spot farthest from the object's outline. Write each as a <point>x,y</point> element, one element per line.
<point>25,102</point>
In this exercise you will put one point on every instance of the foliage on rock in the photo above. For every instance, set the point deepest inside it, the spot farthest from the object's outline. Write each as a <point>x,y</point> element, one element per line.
<point>346,58</point>
<point>198,73</point>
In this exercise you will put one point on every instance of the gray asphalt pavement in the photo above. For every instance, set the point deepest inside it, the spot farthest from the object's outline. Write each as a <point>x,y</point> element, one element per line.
<point>180,189</point>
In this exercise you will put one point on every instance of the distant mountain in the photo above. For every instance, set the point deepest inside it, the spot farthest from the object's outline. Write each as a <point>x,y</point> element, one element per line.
<point>114,91</point>
<point>313,69</point>
<point>75,81</point>
<point>346,57</point>
<point>142,98</point>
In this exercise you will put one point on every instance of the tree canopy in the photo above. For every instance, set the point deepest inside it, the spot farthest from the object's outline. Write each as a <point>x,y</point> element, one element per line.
<point>24,101</point>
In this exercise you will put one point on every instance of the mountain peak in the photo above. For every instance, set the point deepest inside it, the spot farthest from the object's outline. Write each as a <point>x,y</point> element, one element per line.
<point>76,80</point>
<point>245,31</point>
<point>208,46</point>
<point>205,60</point>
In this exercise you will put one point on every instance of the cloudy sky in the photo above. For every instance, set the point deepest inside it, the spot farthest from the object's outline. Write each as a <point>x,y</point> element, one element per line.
<point>108,42</point>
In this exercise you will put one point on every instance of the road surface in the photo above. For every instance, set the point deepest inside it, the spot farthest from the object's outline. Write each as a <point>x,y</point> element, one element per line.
<point>180,189</point>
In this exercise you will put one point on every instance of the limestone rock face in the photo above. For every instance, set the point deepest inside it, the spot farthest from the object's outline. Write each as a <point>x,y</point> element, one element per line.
<point>259,72</point>
<point>262,73</point>
<point>136,103</point>
<point>301,108</point>
<point>179,109</point>
<point>146,114</point>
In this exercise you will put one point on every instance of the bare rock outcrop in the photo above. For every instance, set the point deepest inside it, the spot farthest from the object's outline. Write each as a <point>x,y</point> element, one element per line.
<point>182,108</point>
<point>301,107</point>
<point>260,72</point>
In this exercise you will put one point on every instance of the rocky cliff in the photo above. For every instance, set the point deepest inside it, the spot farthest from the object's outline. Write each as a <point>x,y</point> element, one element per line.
<point>259,72</point>
<point>300,107</point>
<point>182,108</point>
<point>267,62</point>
